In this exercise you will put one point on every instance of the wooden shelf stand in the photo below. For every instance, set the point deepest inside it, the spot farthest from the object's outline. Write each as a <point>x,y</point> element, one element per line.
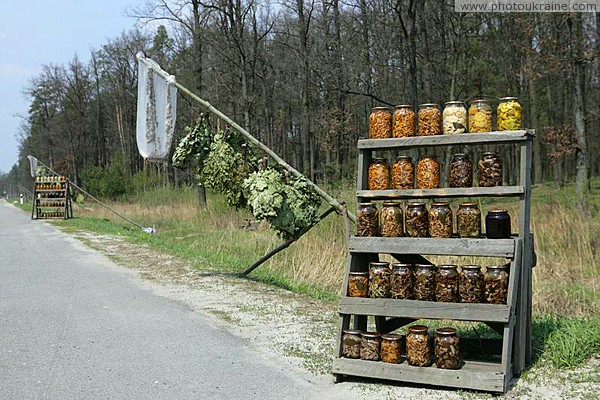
<point>53,203</point>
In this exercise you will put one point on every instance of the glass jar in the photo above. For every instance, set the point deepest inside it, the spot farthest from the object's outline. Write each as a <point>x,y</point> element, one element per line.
<point>430,120</point>
<point>446,284</point>
<point>402,281</point>
<point>440,220</point>
<point>390,220</point>
<point>418,347</point>
<point>379,280</point>
<point>351,343</point>
<point>424,288</point>
<point>370,347</point>
<point>470,284</point>
<point>428,173</point>
<point>416,224</point>
<point>366,219</point>
<point>468,220</point>
<point>447,348</point>
<point>497,224</point>
<point>404,121</point>
<point>490,170</point>
<point>403,173</point>
<point>461,171</point>
<point>509,114</point>
<point>454,118</point>
<point>496,284</point>
<point>379,174</point>
<point>480,116</point>
<point>391,348</point>
<point>380,123</point>
<point>358,284</point>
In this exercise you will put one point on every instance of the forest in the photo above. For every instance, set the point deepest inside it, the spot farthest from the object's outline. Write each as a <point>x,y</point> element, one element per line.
<point>302,77</point>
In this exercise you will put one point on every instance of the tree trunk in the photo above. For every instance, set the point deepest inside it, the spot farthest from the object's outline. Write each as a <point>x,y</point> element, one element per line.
<point>581,180</point>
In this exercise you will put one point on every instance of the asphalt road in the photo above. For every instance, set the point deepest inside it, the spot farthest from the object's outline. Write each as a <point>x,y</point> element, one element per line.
<point>74,326</point>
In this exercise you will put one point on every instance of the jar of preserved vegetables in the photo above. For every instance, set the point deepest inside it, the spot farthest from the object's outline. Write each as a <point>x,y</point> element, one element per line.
<point>402,282</point>
<point>418,347</point>
<point>454,118</point>
<point>497,224</point>
<point>480,116</point>
<point>509,114</point>
<point>416,224</point>
<point>428,173</point>
<point>425,282</point>
<point>430,120</point>
<point>404,121</point>
<point>446,284</point>
<point>370,348</point>
<point>440,220</point>
<point>391,348</point>
<point>496,284</point>
<point>403,173</point>
<point>366,219</point>
<point>447,348</point>
<point>351,343</point>
<point>390,220</point>
<point>379,174</point>
<point>490,170</point>
<point>379,280</point>
<point>470,284</point>
<point>468,220</point>
<point>380,123</point>
<point>461,171</point>
<point>358,284</point>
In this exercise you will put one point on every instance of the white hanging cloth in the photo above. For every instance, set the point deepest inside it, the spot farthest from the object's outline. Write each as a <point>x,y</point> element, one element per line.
<point>156,110</point>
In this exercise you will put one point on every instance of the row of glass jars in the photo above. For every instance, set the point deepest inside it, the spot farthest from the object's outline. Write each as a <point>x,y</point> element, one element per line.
<point>402,174</point>
<point>437,222</point>
<point>454,119</point>
<point>54,178</point>
<point>374,346</point>
<point>427,282</point>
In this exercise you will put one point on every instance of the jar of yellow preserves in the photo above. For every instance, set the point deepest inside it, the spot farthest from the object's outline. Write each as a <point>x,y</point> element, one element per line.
<point>509,114</point>
<point>480,116</point>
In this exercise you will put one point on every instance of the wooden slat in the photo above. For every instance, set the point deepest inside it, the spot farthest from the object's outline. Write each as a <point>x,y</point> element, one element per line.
<point>447,140</point>
<point>392,194</point>
<point>433,246</point>
<point>473,375</point>
<point>424,309</point>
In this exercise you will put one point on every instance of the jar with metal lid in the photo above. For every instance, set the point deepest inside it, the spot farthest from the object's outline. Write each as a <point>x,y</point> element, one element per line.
<point>468,220</point>
<point>379,280</point>
<point>470,284</point>
<point>490,170</point>
<point>461,171</point>
<point>430,120</point>
<point>402,281</point>
<point>480,116</point>
<point>447,348</point>
<point>496,284</point>
<point>391,348</point>
<point>416,224</point>
<point>418,346</point>
<point>367,219</point>
<point>390,220</point>
<point>351,343</point>
<point>403,173</point>
<point>379,174</point>
<point>454,118</point>
<point>440,220</point>
<point>358,284</point>
<point>424,288</point>
<point>428,173</point>
<point>446,284</point>
<point>509,114</point>
<point>380,123</point>
<point>370,347</point>
<point>404,121</point>
<point>497,224</point>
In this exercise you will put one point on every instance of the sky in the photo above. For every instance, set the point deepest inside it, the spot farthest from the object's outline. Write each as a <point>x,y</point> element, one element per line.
<point>38,32</point>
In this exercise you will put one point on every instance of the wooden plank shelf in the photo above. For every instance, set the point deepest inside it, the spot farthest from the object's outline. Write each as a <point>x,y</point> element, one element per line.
<point>424,309</point>
<point>497,137</point>
<point>392,194</point>
<point>473,374</point>
<point>433,246</point>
